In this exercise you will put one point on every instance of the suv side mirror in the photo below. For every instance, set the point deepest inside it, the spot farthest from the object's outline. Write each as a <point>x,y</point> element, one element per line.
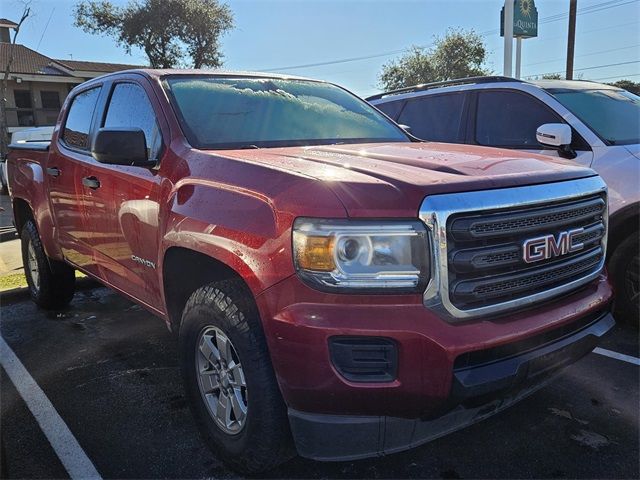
<point>121,146</point>
<point>556,135</point>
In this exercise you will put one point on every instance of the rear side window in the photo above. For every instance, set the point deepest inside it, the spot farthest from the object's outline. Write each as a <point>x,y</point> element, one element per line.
<point>510,119</point>
<point>435,117</point>
<point>392,109</point>
<point>130,107</point>
<point>76,128</point>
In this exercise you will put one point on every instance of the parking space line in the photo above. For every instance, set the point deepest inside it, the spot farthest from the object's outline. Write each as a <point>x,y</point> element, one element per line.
<point>617,356</point>
<point>67,448</point>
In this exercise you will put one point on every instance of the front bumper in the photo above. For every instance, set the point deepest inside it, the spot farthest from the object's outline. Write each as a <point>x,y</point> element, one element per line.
<point>479,391</point>
<point>300,323</point>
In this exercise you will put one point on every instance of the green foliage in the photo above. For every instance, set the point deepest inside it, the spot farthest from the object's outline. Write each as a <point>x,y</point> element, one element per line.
<point>459,54</point>
<point>169,31</point>
<point>628,85</point>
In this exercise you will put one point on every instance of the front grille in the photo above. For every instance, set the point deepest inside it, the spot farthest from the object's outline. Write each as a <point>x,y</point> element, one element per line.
<point>467,228</point>
<point>485,250</point>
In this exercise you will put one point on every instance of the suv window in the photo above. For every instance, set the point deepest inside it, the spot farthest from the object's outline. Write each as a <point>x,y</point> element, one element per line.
<point>391,108</point>
<point>510,119</point>
<point>76,128</point>
<point>130,107</point>
<point>435,117</point>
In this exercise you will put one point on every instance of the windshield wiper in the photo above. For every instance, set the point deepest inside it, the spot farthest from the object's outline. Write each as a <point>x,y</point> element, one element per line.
<point>245,147</point>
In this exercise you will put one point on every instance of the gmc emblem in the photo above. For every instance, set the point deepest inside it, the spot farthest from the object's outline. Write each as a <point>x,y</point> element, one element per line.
<point>544,248</point>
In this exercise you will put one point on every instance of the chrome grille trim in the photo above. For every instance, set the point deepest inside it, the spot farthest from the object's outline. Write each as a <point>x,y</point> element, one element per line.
<point>436,210</point>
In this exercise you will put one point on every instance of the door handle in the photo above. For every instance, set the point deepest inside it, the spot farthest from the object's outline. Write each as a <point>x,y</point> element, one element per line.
<point>91,182</point>
<point>53,171</point>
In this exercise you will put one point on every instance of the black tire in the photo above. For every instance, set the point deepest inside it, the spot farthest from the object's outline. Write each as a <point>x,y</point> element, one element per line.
<point>624,267</point>
<point>55,283</point>
<point>265,439</point>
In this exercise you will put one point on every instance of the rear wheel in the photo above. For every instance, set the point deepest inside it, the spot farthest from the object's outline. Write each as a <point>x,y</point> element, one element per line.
<point>229,380</point>
<point>51,283</point>
<point>624,267</point>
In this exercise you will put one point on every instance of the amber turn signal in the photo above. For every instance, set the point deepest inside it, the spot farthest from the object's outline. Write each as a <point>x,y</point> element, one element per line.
<point>315,253</point>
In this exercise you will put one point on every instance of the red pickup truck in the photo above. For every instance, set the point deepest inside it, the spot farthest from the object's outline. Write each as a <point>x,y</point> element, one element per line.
<point>337,287</point>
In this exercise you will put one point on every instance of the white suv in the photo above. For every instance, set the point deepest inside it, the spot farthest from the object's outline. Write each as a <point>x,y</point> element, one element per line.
<point>593,124</point>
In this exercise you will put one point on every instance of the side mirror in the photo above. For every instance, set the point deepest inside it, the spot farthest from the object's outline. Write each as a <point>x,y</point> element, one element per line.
<point>121,146</point>
<point>556,135</point>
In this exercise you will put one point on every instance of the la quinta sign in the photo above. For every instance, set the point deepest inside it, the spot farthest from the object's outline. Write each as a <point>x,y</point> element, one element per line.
<point>525,19</point>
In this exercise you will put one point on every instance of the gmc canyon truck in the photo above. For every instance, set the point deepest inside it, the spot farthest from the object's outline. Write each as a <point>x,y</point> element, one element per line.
<point>338,288</point>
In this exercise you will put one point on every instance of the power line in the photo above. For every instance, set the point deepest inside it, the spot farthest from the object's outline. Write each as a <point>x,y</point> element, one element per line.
<point>587,68</point>
<point>552,18</point>
<point>583,55</point>
<point>333,62</point>
<point>618,76</point>
<point>45,28</point>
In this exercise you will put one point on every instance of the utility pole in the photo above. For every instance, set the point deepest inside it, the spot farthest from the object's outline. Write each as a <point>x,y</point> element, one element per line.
<point>573,6</point>
<point>508,37</point>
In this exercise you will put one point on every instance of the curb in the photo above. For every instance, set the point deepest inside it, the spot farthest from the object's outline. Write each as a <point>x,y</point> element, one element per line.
<point>7,234</point>
<point>16,295</point>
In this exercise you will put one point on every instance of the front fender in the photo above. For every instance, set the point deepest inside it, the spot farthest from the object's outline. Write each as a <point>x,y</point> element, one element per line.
<point>247,230</point>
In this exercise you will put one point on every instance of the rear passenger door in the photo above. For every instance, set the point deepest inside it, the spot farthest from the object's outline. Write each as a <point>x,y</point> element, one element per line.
<point>436,117</point>
<point>67,197</point>
<point>509,119</point>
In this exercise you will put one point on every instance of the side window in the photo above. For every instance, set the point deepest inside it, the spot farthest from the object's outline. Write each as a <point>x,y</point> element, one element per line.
<point>510,119</point>
<point>435,117</point>
<point>392,109</point>
<point>130,107</point>
<point>76,128</point>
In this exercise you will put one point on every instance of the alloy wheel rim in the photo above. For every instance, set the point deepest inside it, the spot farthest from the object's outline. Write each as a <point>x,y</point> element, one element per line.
<point>221,380</point>
<point>32,266</point>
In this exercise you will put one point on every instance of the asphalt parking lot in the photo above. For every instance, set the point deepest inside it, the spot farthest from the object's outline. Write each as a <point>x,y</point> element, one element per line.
<point>110,371</point>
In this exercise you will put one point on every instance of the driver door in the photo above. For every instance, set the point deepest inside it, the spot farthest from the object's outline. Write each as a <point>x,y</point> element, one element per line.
<point>124,210</point>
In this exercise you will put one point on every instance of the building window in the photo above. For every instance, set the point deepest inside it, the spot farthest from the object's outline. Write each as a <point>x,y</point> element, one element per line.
<point>50,100</point>
<point>24,108</point>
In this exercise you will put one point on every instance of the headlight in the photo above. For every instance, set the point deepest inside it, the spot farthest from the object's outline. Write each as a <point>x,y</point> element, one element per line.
<point>339,255</point>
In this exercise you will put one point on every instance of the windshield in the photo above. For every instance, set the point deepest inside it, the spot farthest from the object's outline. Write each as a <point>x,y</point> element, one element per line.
<point>227,113</point>
<point>613,114</point>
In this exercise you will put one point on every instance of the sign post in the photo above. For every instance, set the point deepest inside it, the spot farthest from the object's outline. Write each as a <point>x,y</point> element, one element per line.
<point>508,36</point>
<point>518,19</point>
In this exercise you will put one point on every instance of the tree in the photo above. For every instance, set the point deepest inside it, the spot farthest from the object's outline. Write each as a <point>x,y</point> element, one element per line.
<point>169,31</point>
<point>4,85</point>
<point>458,54</point>
<point>628,85</point>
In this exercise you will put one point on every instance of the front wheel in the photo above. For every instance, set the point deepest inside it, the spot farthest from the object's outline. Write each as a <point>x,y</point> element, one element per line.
<point>624,267</point>
<point>229,380</point>
<point>51,283</point>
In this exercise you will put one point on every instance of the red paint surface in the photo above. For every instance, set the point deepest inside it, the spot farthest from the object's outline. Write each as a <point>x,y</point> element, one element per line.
<point>239,206</point>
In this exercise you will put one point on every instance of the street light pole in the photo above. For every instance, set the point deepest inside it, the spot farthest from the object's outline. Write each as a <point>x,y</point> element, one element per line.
<point>508,37</point>
<point>573,7</point>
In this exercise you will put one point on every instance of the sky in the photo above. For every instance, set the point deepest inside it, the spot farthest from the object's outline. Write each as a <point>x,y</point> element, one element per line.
<point>283,35</point>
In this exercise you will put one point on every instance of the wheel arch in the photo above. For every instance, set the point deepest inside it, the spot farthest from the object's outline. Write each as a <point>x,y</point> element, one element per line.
<point>184,271</point>
<point>623,223</point>
<point>22,212</point>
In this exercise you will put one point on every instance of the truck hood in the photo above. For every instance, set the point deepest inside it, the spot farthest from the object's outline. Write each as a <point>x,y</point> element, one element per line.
<point>392,179</point>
